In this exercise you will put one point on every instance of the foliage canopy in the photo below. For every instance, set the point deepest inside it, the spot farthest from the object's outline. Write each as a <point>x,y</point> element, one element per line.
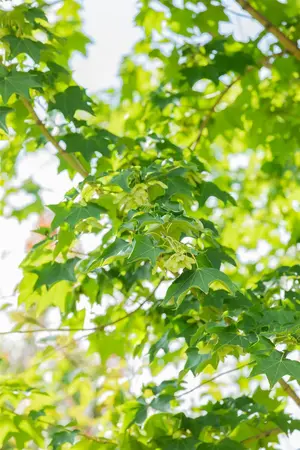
<point>179,329</point>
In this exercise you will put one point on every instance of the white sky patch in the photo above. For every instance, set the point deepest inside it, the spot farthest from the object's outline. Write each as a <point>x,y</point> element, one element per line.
<point>110,24</point>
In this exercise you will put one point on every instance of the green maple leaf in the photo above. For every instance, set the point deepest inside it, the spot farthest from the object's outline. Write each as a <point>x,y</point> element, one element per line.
<point>215,256</point>
<point>139,414</point>
<point>179,186</point>
<point>86,146</point>
<point>162,343</point>
<point>35,13</point>
<point>162,402</point>
<point>65,239</point>
<point>145,248</point>
<point>36,414</point>
<point>225,444</point>
<point>189,443</point>
<point>77,143</point>
<point>123,179</point>
<point>16,83</point>
<point>79,212</point>
<point>209,189</point>
<point>63,437</point>
<point>227,339</point>
<point>28,46</point>
<point>72,214</point>
<point>275,366</point>
<point>200,279</point>
<point>195,359</point>
<point>117,249</point>
<point>51,273</point>
<point>196,73</point>
<point>70,101</point>
<point>4,110</point>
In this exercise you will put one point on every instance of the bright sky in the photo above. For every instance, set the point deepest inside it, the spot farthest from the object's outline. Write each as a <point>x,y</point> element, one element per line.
<point>110,23</point>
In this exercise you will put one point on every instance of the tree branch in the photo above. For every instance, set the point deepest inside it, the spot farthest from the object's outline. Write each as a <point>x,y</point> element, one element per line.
<point>96,328</point>
<point>289,45</point>
<point>214,378</point>
<point>261,435</point>
<point>290,391</point>
<point>212,110</point>
<point>207,118</point>
<point>70,159</point>
<point>67,330</point>
<point>100,440</point>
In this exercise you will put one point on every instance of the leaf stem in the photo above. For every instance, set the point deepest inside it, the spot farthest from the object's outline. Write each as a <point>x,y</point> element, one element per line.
<point>289,45</point>
<point>70,159</point>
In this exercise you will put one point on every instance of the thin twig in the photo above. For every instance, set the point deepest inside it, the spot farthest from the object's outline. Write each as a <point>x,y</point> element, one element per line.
<point>69,158</point>
<point>214,378</point>
<point>204,122</point>
<point>100,440</point>
<point>67,330</point>
<point>96,328</point>
<point>207,118</point>
<point>289,45</point>
<point>290,391</point>
<point>261,435</point>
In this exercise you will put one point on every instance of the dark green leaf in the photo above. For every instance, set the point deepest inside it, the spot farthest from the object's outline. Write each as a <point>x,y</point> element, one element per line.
<point>51,273</point>
<point>4,110</point>
<point>209,189</point>
<point>162,402</point>
<point>17,83</point>
<point>199,279</point>
<point>162,343</point>
<point>195,359</point>
<point>71,100</point>
<point>145,249</point>
<point>28,46</point>
<point>275,366</point>
<point>35,13</point>
<point>63,437</point>
<point>123,179</point>
<point>86,146</point>
<point>117,249</point>
<point>72,214</point>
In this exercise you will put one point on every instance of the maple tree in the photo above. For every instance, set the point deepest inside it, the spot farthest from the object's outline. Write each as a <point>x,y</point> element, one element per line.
<point>179,329</point>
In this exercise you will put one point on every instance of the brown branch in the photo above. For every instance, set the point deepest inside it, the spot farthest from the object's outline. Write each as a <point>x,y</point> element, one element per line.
<point>70,159</point>
<point>289,45</point>
<point>261,435</point>
<point>290,391</point>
